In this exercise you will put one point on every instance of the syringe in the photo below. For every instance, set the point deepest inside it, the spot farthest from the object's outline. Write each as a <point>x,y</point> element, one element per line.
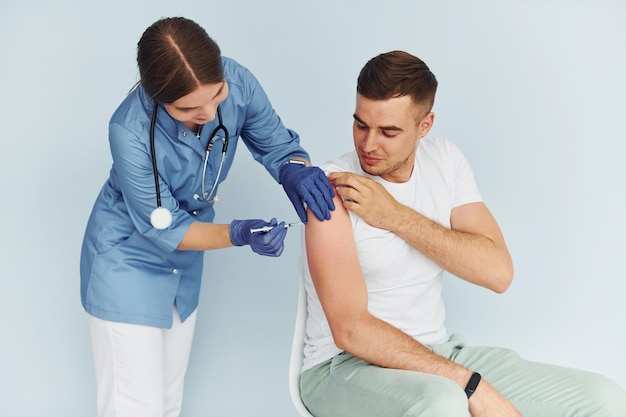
<point>268,228</point>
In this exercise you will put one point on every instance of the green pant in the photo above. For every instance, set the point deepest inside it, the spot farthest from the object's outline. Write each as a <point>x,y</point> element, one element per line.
<point>345,386</point>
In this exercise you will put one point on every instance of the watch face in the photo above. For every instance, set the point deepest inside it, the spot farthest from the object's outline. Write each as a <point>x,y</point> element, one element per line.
<point>296,161</point>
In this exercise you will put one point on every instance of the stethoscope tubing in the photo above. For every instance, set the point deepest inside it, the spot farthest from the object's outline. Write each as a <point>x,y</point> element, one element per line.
<point>155,171</point>
<point>213,137</point>
<point>160,212</point>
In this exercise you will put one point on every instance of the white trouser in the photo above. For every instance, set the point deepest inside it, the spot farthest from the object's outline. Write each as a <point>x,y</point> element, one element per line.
<point>140,370</point>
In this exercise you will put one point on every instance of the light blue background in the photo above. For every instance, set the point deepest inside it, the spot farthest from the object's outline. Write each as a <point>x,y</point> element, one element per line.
<point>533,92</point>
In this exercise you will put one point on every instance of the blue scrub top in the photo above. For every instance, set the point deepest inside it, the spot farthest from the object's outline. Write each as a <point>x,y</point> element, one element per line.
<point>132,272</point>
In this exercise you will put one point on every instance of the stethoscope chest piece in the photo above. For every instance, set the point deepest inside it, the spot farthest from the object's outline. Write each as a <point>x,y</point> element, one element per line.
<point>161,218</point>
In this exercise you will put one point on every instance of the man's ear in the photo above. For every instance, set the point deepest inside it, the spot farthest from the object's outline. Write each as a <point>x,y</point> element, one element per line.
<point>426,123</point>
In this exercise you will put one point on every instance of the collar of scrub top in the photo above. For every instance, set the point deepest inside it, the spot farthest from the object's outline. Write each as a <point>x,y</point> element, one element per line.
<point>161,217</point>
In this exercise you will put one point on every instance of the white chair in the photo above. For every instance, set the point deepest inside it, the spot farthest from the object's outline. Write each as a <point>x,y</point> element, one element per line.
<point>297,346</point>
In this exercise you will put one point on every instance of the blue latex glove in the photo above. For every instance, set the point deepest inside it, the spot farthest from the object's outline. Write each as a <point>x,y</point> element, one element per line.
<point>308,185</point>
<point>269,243</point>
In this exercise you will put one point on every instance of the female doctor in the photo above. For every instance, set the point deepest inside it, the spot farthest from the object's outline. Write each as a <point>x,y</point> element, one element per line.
<point>173,139</point>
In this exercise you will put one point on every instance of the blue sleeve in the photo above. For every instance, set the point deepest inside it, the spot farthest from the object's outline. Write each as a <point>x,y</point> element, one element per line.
<point>269,141</point>
<point>135,178</point>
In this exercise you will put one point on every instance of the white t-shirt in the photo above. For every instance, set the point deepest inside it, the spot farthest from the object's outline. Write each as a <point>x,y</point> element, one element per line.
<point>404,287</point>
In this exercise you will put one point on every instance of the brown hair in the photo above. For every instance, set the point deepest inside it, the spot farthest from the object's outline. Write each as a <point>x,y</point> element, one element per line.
<point>175,55</point>
<point>397,74</point>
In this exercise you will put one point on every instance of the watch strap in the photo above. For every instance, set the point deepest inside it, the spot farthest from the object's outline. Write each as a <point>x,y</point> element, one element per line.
<point>472,384</point>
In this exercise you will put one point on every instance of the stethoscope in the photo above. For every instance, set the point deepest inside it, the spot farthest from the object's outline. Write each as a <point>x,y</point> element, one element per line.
<point>161,217</point>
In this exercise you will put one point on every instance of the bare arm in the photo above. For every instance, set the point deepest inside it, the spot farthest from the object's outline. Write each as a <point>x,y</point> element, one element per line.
<point>341,288</point>
<point>472,249</point>
<point>205,236</point>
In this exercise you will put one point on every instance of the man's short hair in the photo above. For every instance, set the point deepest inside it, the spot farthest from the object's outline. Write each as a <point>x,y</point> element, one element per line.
<point>397,74</point>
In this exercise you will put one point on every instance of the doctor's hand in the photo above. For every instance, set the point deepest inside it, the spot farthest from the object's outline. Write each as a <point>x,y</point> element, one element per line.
<point>307,185</point>
<point>366,198</point>
<point>270,243</point>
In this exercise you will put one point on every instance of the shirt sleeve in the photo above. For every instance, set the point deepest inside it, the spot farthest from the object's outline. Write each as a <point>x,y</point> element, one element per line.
<point>265,135</point>
<point>465,189</point>
<point>135,178</point>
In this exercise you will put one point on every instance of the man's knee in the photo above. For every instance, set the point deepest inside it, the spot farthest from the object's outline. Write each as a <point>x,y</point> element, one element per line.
<point>607,398</point>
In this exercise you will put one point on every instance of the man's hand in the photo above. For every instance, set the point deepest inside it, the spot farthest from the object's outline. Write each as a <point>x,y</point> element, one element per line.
<point>366,198</point>
<point>487,402</point>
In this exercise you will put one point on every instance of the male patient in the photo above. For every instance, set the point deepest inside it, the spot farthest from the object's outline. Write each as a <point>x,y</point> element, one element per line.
<point>376,344</point>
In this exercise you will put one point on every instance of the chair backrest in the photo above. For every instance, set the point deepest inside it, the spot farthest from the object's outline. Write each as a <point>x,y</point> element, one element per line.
<point>297,348</point>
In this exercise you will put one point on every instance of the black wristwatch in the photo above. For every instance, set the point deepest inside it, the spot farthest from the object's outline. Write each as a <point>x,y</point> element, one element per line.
<point>472,384</point>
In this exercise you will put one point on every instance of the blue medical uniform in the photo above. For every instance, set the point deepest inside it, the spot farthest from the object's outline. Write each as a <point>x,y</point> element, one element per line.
<point>132,272</point>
